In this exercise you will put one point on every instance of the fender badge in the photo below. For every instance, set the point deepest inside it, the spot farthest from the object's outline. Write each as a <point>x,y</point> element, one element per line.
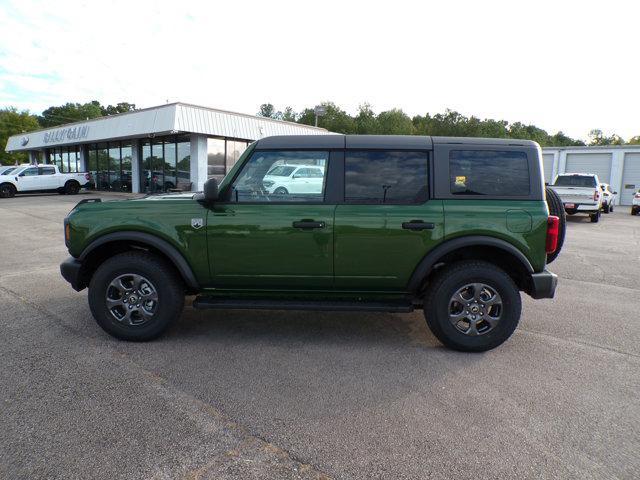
<point>196,223</point>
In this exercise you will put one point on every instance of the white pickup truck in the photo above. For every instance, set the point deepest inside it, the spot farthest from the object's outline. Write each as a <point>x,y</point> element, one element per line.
<point>41,178</point>
<point>580,193</point>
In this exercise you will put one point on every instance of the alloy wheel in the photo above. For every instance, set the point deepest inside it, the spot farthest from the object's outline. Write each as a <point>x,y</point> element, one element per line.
<point>475,309</point>
<point>132,299</point>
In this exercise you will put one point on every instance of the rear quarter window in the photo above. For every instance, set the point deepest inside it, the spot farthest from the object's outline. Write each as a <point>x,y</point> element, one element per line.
<point>493,173</point>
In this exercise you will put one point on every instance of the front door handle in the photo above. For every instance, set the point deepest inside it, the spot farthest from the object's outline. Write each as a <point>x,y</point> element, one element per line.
<point>308,224</point>
<point>418,225</point>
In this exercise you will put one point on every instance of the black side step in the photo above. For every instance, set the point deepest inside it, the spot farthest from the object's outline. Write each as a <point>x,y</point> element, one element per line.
<point>204,302</point>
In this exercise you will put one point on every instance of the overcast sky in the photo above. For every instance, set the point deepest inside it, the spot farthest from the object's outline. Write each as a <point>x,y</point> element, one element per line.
<point>561,65</point>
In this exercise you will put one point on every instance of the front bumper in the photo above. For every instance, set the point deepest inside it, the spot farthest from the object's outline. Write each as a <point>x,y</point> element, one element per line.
<point>543,284</point>
<point>71,270</point>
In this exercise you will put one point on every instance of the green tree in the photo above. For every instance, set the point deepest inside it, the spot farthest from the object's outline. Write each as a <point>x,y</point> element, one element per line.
<point>596,137</point>
<point>634,140</point>
<point>394,122</point>
<point>14,122</point>
<point>267,110</point>
<point>335,119</point>
<point>288,115</point>
<point>70,112</point>
<point>121,107</point>
<point>366,122</point>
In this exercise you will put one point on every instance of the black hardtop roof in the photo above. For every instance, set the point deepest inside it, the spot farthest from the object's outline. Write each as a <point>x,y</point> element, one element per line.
<point>399,142</point>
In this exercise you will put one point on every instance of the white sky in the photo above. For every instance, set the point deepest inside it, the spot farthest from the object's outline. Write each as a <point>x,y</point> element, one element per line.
<point>561,65</point>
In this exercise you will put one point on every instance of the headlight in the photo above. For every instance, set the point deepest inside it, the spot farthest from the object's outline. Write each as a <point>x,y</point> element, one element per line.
<point>267,183</point>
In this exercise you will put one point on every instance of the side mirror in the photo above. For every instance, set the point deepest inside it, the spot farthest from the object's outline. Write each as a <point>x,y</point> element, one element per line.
<point>615,193</point>
<point>211,190</point>
<point>21,175</point>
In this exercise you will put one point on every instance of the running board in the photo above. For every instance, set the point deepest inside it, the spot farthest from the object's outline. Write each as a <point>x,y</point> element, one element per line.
<point>204,302</point>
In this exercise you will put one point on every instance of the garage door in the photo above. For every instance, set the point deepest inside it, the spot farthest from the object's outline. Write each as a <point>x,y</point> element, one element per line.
<point>630,177</point>
<point>547,162</point>
<point>598,163</point>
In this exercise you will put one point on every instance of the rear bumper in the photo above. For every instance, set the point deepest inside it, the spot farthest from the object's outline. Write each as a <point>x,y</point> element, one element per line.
<point>582,207</point>
<point>543,284</point>
<point>71,270</point>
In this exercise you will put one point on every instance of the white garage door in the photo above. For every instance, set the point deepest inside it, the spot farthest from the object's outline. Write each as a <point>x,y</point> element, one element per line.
<point>630,177</point>
<point>547,162</point>
<point>598,163</point>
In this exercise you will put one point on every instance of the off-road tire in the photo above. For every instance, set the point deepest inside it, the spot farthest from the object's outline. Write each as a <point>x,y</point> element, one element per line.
<point>556,208</point>
<point>71,187</point>
<point>451,278</point>
<point>166,281</point>
<point>7,190</point>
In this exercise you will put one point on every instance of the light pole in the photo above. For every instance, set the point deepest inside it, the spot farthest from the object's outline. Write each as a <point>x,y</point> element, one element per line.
<point>320,111</point>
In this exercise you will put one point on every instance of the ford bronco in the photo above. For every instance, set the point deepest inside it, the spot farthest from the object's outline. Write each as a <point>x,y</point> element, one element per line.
<point>457,227</point>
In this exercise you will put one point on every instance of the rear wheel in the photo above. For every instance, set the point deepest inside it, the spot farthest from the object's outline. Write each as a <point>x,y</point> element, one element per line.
<point>71,188</point>
<point>606,209</point>
<point>7,190</point>
<point>634,210</point>
<point>595,217</point>
<point>472,306</point>
<point>135,296</point>
<point>556,208</point>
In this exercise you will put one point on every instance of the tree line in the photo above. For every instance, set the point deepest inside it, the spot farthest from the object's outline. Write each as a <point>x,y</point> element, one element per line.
<point>449,123</point>
<point>335,119</point>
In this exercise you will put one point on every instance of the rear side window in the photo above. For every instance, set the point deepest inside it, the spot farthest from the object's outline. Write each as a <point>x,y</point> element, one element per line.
<point>47,171</point>
<point>385,177</point>
<point>489,172</point>
<point>575,181</point>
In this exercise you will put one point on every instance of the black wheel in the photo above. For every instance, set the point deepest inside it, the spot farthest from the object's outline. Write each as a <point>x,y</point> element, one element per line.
<point>472,306</point>
<point>634,211</point>
<point>611,207</point>
<point>595,217</point>
<point>606,209</point>
<point>281,191</point>
<point>135,296</point>
<point>71,188</point>
<point>7,190</point>
<point>556,208</point>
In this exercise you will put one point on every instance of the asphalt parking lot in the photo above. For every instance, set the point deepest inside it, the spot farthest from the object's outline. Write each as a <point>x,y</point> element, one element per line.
<point>236,394</point>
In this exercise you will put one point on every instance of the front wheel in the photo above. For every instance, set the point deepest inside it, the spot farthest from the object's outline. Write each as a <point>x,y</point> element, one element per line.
<point>135,296</point>
<point>7,190</point>
<point>472,306</point>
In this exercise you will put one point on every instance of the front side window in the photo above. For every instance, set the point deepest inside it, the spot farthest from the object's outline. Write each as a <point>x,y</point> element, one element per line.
<point>385,177</point>
<point>30,172</point>
<point>489,172</point>
<point>267,177</point>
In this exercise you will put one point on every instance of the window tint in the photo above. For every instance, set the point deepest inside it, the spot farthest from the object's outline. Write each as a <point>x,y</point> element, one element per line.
<point>488,172</point>
<point>575,181</point>
<point>47,170</point>
<point>385,177</point>
<point>30,172</point>
<point>257,181</point>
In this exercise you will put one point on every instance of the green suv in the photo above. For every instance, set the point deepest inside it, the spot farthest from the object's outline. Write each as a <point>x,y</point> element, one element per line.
<point>454,226</point>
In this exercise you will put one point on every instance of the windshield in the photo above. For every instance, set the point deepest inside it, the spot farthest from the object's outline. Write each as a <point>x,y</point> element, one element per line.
<point>575,181</point>
<point>281,171</point>
<point>5,171</point>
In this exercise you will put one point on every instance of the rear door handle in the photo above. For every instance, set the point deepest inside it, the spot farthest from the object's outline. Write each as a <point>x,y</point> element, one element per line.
<point>308,224</point>
<point>418,225</point>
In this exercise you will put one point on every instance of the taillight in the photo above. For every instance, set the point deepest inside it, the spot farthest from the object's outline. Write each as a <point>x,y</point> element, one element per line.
<point>596,195</point>
<point>87,176</point>
<point>637,195</point>
<point>553,230</point>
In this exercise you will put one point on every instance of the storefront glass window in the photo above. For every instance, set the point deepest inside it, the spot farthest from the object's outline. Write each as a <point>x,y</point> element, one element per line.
<point>114,166</point>
<point>184,165</point>
<point>215,158</point>
<point>170,178</point>
<point>102,181</point>
<point>125,176</point>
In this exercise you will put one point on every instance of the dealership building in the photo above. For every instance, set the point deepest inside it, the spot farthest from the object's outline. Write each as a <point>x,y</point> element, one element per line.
<point>619,166</point>
<point>171,147</point>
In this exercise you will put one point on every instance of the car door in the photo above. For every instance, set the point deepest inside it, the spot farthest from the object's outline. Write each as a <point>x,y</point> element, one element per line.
<point>47,177</point>
<point>387,222</point>
<point>28,180</point>
<point>262,240</point>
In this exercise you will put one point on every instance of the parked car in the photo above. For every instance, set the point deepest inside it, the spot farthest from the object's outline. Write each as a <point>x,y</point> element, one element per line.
<point>635,203</point>
<point>294,179</point>
<point>41,178</point>
<point>608,197</point>
<point>580,193</point>
<point>400,223</point>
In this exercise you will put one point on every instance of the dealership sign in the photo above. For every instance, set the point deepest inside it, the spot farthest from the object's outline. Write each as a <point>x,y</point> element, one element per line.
<point>70,133</point>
